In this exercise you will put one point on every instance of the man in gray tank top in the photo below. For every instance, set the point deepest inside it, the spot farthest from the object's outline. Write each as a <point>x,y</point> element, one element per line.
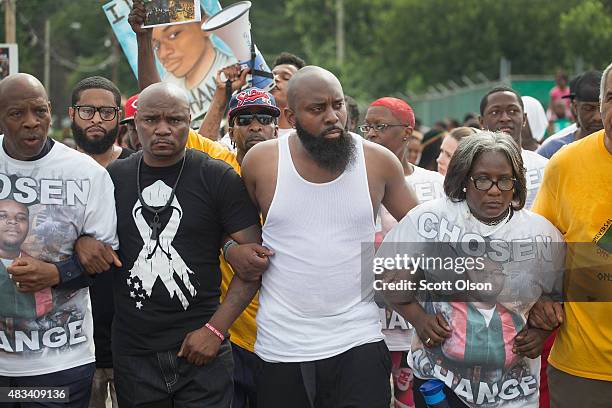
<point>319,334</point>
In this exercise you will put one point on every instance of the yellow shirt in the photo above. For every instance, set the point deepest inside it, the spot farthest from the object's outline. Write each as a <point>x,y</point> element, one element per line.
<point>576,196</point>
<point>244,329</point>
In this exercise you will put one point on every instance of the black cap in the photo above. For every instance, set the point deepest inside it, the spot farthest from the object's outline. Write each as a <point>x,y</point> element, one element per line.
<point>587,88</point>
<point>572,86</point>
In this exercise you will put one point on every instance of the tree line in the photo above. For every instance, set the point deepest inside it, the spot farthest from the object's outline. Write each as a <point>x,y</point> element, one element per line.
<point>391,46</point>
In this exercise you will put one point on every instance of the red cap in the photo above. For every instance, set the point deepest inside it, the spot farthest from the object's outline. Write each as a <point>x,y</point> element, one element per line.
<point>400,109</point>
<point>130,108</point>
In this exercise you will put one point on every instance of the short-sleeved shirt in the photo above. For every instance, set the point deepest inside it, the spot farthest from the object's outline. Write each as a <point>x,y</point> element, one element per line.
<point>67,194</point>
<point>102,306</point>
<point>548,149</point>
<point>576,197</point>
<point>534,173</point>
<point>244,330</point>
<point>169,285</point>
<point>477,361</point>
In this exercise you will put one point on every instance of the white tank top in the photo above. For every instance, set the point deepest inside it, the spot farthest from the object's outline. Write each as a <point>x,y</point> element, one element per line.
<point>311,301</point>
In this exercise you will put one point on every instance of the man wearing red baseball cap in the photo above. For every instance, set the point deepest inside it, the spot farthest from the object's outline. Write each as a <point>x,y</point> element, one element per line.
<point>130,107</point>
<point>95,114</point>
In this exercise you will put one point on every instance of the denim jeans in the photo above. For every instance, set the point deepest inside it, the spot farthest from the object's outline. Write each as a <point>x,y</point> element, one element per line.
<point>245,366</point>
<point>77,380</point>
<point>103,387</point>
<point>163,380</point>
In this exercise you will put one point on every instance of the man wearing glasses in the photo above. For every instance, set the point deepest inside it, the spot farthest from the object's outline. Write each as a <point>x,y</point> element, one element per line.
<point>95,116</point>
<point>390,123</point>
<point>252,118</point>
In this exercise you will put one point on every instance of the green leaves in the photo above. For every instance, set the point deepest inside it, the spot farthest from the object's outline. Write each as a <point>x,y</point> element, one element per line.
<point>391,46</point>
<point>586,31</point>
<point>405,46</point>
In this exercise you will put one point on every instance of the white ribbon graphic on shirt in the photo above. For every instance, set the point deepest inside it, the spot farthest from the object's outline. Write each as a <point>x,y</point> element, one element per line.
<point>158,258</point>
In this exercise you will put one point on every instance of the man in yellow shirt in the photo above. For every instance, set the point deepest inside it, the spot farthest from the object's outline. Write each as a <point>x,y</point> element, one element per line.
<point>252,118</point>
<point>576,197</point>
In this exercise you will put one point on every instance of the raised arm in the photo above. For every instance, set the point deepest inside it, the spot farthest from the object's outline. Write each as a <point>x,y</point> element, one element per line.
<point>212,120</point>
<point>147,71</point>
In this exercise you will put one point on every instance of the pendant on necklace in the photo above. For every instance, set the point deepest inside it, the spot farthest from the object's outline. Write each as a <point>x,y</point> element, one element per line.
<point>155,226</point>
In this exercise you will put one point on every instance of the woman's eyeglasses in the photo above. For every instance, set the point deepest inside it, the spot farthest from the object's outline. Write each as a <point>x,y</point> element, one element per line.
<point>485,183</point>
<point>381,127</point>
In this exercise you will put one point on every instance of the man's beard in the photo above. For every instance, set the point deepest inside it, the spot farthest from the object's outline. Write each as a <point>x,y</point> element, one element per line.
<point>93,146</point>
<point>334,155</point>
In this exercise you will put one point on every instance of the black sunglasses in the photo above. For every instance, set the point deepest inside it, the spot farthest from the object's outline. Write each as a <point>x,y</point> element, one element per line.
<point>245,120</point>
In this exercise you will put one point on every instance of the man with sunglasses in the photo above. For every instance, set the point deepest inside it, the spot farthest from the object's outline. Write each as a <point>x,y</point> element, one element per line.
<point>252,118</point>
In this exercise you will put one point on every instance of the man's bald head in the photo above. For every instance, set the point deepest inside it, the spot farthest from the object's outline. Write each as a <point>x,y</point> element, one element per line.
<point>25,116</point>
<point>162,122</point>
<point>305,79</point>
<point>317,111</point>
<point>163,92</point>
<point>21,86</point>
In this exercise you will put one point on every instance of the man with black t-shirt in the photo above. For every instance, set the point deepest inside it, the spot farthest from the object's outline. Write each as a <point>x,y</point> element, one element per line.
<point>95,113</point>
<point>174,207</point>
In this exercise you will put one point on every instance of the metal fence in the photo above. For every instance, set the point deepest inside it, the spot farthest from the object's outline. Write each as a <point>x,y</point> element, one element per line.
<point>442,102</point>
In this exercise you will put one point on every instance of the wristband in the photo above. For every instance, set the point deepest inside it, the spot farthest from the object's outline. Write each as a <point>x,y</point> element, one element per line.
<point>215,331</point>
<point>227,245</point>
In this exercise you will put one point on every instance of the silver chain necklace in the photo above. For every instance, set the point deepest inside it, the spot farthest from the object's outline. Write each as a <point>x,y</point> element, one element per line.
<point>496,222</point>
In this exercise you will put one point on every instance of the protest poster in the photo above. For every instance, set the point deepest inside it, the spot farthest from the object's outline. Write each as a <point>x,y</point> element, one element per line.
<point>169,12</point>
<point>185,55</point>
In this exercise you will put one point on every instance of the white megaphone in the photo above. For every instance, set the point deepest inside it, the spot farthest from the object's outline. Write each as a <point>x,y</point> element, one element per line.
<point>232,25</point>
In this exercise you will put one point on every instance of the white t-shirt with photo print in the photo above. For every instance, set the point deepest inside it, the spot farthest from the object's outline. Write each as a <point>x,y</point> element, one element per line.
<point>67,194</point>
<point>477,360</point>
<point>428,185</point>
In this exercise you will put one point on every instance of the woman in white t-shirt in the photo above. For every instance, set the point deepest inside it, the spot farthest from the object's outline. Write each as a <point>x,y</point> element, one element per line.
<point>483,261</point>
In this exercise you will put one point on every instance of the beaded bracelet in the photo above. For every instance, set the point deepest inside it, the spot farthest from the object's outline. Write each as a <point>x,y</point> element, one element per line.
<point>227,245</point>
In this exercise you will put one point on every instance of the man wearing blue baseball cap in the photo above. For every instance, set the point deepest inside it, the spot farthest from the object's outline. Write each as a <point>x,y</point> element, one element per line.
<point>252,118</point>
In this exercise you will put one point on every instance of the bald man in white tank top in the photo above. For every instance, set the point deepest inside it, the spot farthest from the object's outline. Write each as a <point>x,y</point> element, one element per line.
<point>319,334</point>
